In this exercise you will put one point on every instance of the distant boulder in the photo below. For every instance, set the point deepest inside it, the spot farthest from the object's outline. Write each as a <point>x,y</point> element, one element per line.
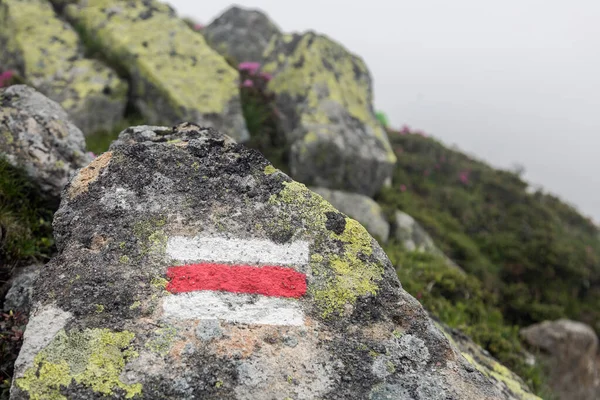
<point>189,267</point>
<point>325,96</point>
<point>175,75</point>
<point>37,135</point>
<point>19,295</point>
<point>241,34</point>
<point>569,352</point>
<point>47,53</point>
<point>360,207</point>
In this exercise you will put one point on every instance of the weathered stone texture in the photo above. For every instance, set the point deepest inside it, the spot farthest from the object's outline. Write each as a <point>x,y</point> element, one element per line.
<point>48,54</point>
<point>36,134</point>
<point>175,75</point>
<point>241,34</point>
<point>325,96</point>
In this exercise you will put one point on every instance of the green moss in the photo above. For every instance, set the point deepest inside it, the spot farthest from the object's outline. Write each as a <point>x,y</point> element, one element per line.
<point>94,358</point>
<point>338,279</point>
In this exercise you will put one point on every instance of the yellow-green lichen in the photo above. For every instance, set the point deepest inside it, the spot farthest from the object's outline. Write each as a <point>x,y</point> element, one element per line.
<point>162,340</point>
<point>179,66</point>
<point>151,238</point>
<point>124,259</point>
<point>99,308</point>
<point>136,304</point>
<point>339,277</point>
<point>159,282</point>
<point>94,358</point>
<point>269,169</point>
<point>49,56</point>
<point>310,70</point>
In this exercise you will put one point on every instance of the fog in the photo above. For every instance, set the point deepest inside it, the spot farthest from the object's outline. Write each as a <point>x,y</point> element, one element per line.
<point>508,82</point>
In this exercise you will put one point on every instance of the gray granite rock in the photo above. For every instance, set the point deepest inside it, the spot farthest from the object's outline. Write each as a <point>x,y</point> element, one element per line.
<point>165,232</point>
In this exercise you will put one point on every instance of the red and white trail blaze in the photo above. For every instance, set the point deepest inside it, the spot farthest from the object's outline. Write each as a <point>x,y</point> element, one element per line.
<point>243,281</point>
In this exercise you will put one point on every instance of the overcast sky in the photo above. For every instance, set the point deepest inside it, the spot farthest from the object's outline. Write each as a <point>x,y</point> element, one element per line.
<point>512,81</point>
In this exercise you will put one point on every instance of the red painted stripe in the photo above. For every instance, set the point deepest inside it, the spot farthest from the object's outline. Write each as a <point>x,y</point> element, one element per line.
<point>269,281</point>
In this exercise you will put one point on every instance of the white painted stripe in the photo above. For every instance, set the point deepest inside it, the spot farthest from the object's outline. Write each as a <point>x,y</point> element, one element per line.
<point>234,307</point>
<point>255,251</point>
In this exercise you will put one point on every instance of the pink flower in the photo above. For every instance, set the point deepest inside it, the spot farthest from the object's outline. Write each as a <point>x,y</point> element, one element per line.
<point>91,154</point>
<point>248,83</point>
<point>266,76</point>
<point>421,133</point>
<point>403,188</point>
<point>426,172</point>
<point>464,176</point>
<point>249,66</point>
<point>198,27</point>
<point>5,77</point>
<point>405,129</point>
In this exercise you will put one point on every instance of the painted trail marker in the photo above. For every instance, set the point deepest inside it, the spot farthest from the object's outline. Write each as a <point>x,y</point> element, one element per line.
<point>243,281</point>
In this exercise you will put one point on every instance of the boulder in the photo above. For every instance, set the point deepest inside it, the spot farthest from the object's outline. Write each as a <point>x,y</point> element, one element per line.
<point>482,360</point>
<point>175,76</point>
<point>414,238</point>
<point>189,267</point>
<point>46,52</point>
<point>18,298</point>
<point>36,134</point>
<point>324,94</point>
<point>241,34</point>
<point>569,352</point>
<point>360,207</point>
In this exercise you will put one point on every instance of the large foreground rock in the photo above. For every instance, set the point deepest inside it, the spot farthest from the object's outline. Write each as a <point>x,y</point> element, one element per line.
<point>37,135</point>
<point>360,207</point>
<point>241,34</point>
<point>175,75</point>
<point>189,267</point>
<point>569,352</point>
<point>46,52</point>
<point>325,96</point>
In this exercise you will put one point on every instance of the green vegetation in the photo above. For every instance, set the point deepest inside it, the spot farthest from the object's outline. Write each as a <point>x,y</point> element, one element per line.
<point>538,255</point>
<point>25,221</point>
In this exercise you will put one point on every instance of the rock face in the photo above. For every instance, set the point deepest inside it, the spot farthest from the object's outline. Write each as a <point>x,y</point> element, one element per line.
<point>37,135</point>
<point>175,75</point>
<point>506,380</point>
<point>569,351</point>
<point>241,34</point>
<point>47,54</point>
<point>325,95</point>
<point>189,267</point>
<point>359,207</point>
<point>18,298</point>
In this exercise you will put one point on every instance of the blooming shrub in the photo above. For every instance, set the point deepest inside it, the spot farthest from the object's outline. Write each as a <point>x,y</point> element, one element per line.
<point>5,78</point>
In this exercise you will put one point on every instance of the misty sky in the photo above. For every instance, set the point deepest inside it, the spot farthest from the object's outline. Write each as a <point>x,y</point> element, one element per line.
<point>512,81</point>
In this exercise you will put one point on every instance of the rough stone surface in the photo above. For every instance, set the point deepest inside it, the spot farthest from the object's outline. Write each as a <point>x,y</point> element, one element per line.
<point>37,135</point>
<point>102,297</point>
<point>504,379</point>
<point>241,34</point>
<point>47,53</point>
<point>414,238</point>
<point>569,352</point>
<point>175,75</point>
<point>362,208</point>
<point>324,95</point>
<point>18,298</point>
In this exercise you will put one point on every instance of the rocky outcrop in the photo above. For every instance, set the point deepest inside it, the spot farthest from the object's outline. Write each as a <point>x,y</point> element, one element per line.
<point>36,134</point>
<point>362,208</point>
<point>506,380</point>
<point>241,34</point>
<point>175,76</point>
<point>325,95</point>
<point>569,352</point>
<point>47,53</point>
<point>18,298</point>
<point>223,278</point>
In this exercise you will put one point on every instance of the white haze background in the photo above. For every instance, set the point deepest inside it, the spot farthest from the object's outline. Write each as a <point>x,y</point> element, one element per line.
<point>513,81</point>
